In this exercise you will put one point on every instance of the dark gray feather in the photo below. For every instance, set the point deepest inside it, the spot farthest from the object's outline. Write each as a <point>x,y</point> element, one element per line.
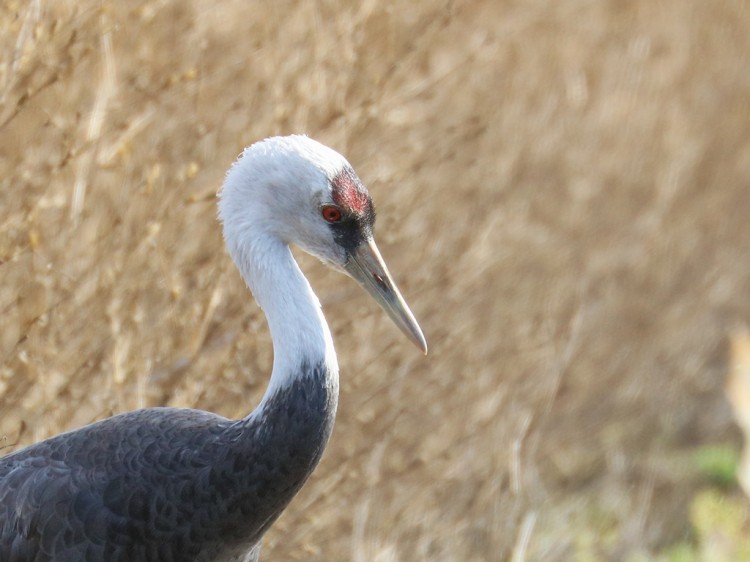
<point>164,484</point>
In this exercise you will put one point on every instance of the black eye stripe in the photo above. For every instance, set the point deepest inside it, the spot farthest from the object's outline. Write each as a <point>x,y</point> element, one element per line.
<point>350,232</point>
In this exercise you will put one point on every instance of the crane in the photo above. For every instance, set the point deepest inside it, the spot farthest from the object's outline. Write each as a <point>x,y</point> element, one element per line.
<point>169,484</point>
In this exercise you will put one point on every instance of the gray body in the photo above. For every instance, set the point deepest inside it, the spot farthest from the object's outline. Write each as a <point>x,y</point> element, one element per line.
<point>164,484</point>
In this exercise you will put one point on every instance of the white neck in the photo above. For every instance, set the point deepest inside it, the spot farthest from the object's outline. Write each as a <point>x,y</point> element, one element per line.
<point>300,334</point>
<point>262,207</point>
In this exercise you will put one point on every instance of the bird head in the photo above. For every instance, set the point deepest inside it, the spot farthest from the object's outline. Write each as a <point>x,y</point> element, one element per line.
<point>298,191</point>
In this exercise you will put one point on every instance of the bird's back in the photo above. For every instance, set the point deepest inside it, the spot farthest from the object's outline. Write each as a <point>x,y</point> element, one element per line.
<point>164,484</point>
<point>132,487</point>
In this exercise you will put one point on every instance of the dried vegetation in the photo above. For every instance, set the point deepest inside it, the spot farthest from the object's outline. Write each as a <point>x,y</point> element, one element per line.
<point>564,199</point>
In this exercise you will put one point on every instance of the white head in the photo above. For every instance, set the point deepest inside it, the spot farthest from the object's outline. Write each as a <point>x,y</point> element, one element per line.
<point>295,190</point>
<point>281,187</point>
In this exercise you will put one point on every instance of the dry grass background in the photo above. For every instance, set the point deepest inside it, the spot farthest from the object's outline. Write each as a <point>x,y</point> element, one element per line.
<point>563,197</point>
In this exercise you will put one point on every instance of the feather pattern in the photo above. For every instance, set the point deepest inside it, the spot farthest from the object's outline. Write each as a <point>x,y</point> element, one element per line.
<point>165,484</point>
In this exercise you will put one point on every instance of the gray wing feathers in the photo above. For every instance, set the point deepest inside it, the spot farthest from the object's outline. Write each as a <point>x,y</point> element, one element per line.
<point>163,484</point>
<point>91,494</point>
<point>35,518</point>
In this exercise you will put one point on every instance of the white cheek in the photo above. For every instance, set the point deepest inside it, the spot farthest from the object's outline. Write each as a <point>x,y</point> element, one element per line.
<point>313,236</point>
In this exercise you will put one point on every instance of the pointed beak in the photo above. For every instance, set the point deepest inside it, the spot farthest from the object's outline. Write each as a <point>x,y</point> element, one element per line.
<point>367,267</point>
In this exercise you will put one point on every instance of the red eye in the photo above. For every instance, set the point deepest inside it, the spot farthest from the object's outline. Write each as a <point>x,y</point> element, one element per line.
<point>331,213</point>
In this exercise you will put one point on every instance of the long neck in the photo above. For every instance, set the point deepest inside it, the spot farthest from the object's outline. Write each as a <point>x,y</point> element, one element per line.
<point>301,337</point>
<point>266,457</point>
<point>263,459</point>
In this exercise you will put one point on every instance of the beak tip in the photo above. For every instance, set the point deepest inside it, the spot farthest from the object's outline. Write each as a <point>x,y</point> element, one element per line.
<point>366,266</point>
<point>421,343</point>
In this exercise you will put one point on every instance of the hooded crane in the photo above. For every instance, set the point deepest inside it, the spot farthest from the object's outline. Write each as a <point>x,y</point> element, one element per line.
<point>168,484</point>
